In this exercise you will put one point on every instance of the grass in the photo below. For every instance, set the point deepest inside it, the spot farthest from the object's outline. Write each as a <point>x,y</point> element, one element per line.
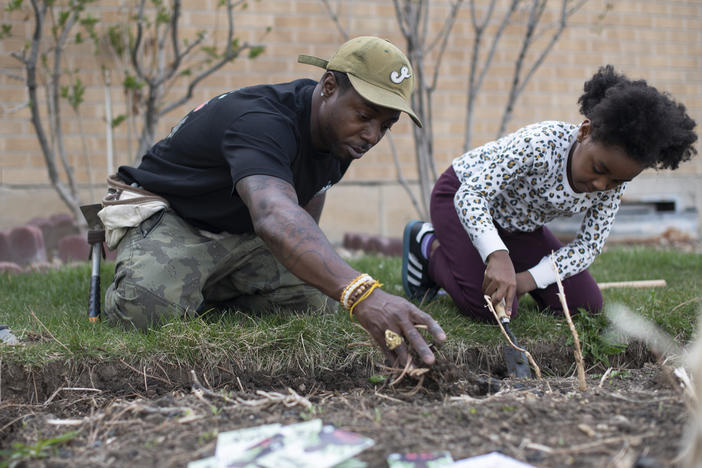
<point>50,309</point>
<point>41,449</point>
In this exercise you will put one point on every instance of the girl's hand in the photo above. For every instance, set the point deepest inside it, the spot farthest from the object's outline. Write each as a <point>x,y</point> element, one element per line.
<point>525,283</point>
<point>500,281</point>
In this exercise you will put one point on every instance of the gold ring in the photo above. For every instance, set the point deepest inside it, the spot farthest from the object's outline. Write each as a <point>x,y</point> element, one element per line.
<point>392,339</point>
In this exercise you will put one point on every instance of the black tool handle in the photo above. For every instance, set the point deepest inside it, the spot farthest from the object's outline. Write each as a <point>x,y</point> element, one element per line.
<point>509,332</point>
<point>94,304</point>
<point>95,293</point>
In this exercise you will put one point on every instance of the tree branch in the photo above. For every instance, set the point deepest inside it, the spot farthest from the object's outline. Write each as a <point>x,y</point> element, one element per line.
<point>335,18</point>
<point>546,49</point>
<point>137,42</point>
<point>474,84</point>
<point>535,12</point>
<point>400,19</point>
<point>403,182</point>
<point>230,54</point>
<point>177,57</point>
<point>444,35</point>
<point>55,96</point>
<point>30,63</point>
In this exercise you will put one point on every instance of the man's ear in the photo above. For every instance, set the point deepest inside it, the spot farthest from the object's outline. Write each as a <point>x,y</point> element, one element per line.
<point>585,129</point>
<point>329,84</point>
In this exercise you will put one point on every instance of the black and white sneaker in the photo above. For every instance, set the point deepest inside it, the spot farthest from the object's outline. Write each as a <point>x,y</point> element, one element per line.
<point>415,268</point>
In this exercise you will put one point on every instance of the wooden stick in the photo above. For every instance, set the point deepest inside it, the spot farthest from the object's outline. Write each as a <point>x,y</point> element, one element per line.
<point>579,364</point>
<point>537,371</point>
<point>660,283</point>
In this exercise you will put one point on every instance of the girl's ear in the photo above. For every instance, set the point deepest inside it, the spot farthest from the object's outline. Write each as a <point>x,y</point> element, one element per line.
<point>584,130</point>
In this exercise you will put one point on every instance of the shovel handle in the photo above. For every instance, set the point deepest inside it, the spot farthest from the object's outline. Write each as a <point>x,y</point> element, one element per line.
<point>501,311</point>
<point>94,301</point>
<point>94,304</point>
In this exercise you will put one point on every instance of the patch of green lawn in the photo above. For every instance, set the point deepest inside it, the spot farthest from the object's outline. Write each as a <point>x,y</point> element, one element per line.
<point>49,311</point>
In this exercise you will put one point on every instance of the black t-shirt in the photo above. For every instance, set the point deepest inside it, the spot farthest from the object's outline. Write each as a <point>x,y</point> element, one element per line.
<point>258,130</point>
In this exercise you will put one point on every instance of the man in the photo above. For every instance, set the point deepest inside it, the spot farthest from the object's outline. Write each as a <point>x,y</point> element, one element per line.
<point>245,176</point>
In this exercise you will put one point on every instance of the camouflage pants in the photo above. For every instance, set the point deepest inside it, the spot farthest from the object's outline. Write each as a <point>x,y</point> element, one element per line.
<point>166,268</point>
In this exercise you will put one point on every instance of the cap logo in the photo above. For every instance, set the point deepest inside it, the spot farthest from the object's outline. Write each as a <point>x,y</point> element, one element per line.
<point>398,78</point>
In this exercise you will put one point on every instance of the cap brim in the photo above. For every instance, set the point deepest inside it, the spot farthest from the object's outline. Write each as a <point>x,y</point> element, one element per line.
<point>382,97</point>
<point>311,60</point>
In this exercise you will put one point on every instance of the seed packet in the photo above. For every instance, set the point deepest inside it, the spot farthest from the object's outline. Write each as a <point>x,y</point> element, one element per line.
<point>308,444</point>
<point>324,448</point>
<point>420,460</point>
<point>231,444</point>
<point>491,460</point>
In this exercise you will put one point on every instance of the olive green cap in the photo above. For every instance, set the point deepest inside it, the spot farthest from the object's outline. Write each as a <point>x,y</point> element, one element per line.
<point>378,71</point>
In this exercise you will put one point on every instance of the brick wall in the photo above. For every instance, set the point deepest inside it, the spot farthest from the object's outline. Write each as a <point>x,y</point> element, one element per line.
<point>659,41</point>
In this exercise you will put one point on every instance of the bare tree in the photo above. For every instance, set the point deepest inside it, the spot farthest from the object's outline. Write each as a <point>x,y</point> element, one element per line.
<point>488,31</point>
<point>156,52</point>
<point>157,56</point>
<point>42,59</point>
<point>413,19</point>
<point>533,30</point>
<point>478,71</point>
<point>520,78</point>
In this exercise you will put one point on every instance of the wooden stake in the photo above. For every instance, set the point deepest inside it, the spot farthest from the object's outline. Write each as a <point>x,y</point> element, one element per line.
<point>579,364</point>
<point>660,283</point>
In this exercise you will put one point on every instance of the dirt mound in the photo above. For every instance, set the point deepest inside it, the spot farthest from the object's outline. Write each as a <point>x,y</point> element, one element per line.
<point>150,414</point>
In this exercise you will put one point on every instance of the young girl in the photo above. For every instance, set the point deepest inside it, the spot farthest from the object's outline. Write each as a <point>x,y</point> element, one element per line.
<point>488,209</point>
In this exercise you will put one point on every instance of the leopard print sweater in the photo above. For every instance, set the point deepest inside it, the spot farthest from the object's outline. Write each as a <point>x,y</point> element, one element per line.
<point>520,183</point>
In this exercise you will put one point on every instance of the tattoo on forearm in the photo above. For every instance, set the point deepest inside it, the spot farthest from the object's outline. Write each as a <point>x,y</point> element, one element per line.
<point>289,231</point>
<point>299,240</point>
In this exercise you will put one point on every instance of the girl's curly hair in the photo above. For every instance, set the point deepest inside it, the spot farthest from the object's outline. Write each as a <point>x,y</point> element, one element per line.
<point>649,125</point>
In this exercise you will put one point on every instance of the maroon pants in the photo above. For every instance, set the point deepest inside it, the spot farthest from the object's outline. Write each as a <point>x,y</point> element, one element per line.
<point>457,267</point>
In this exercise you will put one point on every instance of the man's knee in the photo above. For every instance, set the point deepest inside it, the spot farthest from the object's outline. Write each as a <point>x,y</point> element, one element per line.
<point>133,306</point>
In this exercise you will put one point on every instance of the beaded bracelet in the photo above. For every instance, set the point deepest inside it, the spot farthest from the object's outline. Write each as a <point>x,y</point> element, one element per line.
<point>363,297</point>
<point>357,291</point>
<point>350,288</point>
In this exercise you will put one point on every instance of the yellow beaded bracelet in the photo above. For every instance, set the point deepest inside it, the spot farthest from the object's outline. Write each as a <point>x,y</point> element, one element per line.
<point>350,288</point>
<point>363,297</point>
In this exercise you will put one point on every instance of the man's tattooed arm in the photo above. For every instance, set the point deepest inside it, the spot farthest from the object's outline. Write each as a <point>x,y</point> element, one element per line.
<point>293,235</point>
<point>297,242</point>
<point>314,207</point>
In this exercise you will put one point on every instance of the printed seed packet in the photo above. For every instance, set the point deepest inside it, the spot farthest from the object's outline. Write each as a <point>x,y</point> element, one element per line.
<point>352,463</point>
<point>491,460</point>
<point>273,441</point>
<point>325,448</point>
<point>232,443</point>
<point>209,462</point>
<point>305,445</point>
<point>420,460</point>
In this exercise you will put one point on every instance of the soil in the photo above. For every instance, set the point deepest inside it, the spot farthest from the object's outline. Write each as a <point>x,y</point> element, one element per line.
<point>154,415</point>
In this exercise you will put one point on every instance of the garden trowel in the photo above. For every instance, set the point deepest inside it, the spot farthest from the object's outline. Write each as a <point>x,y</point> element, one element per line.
<point>96,236</point>
<point>516,361</point>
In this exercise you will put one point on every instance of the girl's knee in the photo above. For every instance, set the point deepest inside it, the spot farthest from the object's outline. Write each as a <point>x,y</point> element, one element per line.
<point>474,306</point>
<point>592,305</point>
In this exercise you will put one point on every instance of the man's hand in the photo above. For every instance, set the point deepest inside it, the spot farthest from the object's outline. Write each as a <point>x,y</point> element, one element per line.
<point>382,311</point>
<point>295,239</point>
<point>500,281</point>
